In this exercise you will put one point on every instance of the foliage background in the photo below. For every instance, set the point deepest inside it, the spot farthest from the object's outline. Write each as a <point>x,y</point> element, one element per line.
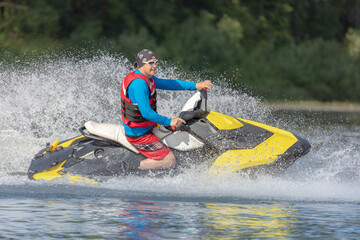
<point>284,49</point>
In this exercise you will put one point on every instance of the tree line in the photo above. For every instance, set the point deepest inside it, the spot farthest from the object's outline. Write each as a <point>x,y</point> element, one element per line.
<point>307,49</point>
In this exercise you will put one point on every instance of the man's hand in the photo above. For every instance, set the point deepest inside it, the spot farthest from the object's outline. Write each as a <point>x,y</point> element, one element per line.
<point>176,122</point>
<point>206,84</point>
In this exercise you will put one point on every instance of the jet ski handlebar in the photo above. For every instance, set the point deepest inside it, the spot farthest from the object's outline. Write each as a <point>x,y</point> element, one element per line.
<point>204,97</point>
<point>182,127</point>
<point>198,109</point>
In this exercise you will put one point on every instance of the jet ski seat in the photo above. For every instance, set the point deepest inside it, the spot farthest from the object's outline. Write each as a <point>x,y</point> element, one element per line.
<point>112,132</point>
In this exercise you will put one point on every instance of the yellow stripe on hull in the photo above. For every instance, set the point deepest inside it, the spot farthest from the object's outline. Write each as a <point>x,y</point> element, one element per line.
<point>79,179</point>
<point>264,153</point>
<point>223,122</point>
<point>51,173</point>
<point>55,171</point>
<point>69,142</point>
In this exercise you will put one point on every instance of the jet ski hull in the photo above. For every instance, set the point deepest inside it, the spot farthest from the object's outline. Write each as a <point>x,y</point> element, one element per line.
<point>230,145</point>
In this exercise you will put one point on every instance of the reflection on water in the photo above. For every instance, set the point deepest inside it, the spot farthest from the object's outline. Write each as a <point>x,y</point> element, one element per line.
<point>143,219</point>
<point>250,221</point>
<point>115,218</point>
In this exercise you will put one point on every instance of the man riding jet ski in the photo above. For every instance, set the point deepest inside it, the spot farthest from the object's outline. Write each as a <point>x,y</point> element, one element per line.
<point>223,144</point>
<point>137,145</point>
<point>138,110</point>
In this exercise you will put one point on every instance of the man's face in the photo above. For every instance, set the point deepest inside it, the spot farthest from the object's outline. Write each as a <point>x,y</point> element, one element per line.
<point>149,68</point>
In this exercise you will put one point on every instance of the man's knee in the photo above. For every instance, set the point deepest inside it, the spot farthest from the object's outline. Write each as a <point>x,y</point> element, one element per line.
<point>170,160</point>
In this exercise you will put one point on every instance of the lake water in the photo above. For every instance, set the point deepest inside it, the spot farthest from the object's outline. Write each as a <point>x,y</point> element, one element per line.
<point>46,99</point>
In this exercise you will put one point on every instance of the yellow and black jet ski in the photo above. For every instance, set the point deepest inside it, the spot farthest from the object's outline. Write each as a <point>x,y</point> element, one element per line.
<point>221,143</point>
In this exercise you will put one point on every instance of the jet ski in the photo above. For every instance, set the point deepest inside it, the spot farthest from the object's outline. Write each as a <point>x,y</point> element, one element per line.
<point>212,140</point>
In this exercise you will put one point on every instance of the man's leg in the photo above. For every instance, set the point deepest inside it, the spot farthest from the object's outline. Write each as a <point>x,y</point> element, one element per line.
<point>159,156</point>
<point>166,162</point>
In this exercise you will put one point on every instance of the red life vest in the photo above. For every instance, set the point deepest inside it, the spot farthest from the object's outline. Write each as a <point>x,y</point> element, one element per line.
<point>130,112</point>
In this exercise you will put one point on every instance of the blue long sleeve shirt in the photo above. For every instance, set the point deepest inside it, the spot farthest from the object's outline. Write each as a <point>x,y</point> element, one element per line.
<point>139,93</point>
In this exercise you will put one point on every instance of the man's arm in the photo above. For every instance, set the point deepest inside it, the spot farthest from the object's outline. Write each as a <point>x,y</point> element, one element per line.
<point>172,84</point>
<point>139,93</point>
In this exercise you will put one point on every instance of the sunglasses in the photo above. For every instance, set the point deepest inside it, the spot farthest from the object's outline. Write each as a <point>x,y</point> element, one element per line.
<point>152,63</point>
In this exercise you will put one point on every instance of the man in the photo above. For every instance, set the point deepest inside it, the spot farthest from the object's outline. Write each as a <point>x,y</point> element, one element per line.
<point>138,105</point>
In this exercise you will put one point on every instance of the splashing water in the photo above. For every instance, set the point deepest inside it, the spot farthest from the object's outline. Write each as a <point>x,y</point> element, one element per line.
<point>47,100</point>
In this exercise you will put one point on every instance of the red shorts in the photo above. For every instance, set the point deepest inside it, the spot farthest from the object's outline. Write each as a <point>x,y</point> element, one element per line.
<point>150,146</point>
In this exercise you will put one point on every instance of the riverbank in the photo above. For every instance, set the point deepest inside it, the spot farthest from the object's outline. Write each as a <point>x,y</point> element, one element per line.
<point>315,106</point>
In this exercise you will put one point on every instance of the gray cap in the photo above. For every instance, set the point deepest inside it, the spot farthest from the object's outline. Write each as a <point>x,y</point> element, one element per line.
<point>144,56</point>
